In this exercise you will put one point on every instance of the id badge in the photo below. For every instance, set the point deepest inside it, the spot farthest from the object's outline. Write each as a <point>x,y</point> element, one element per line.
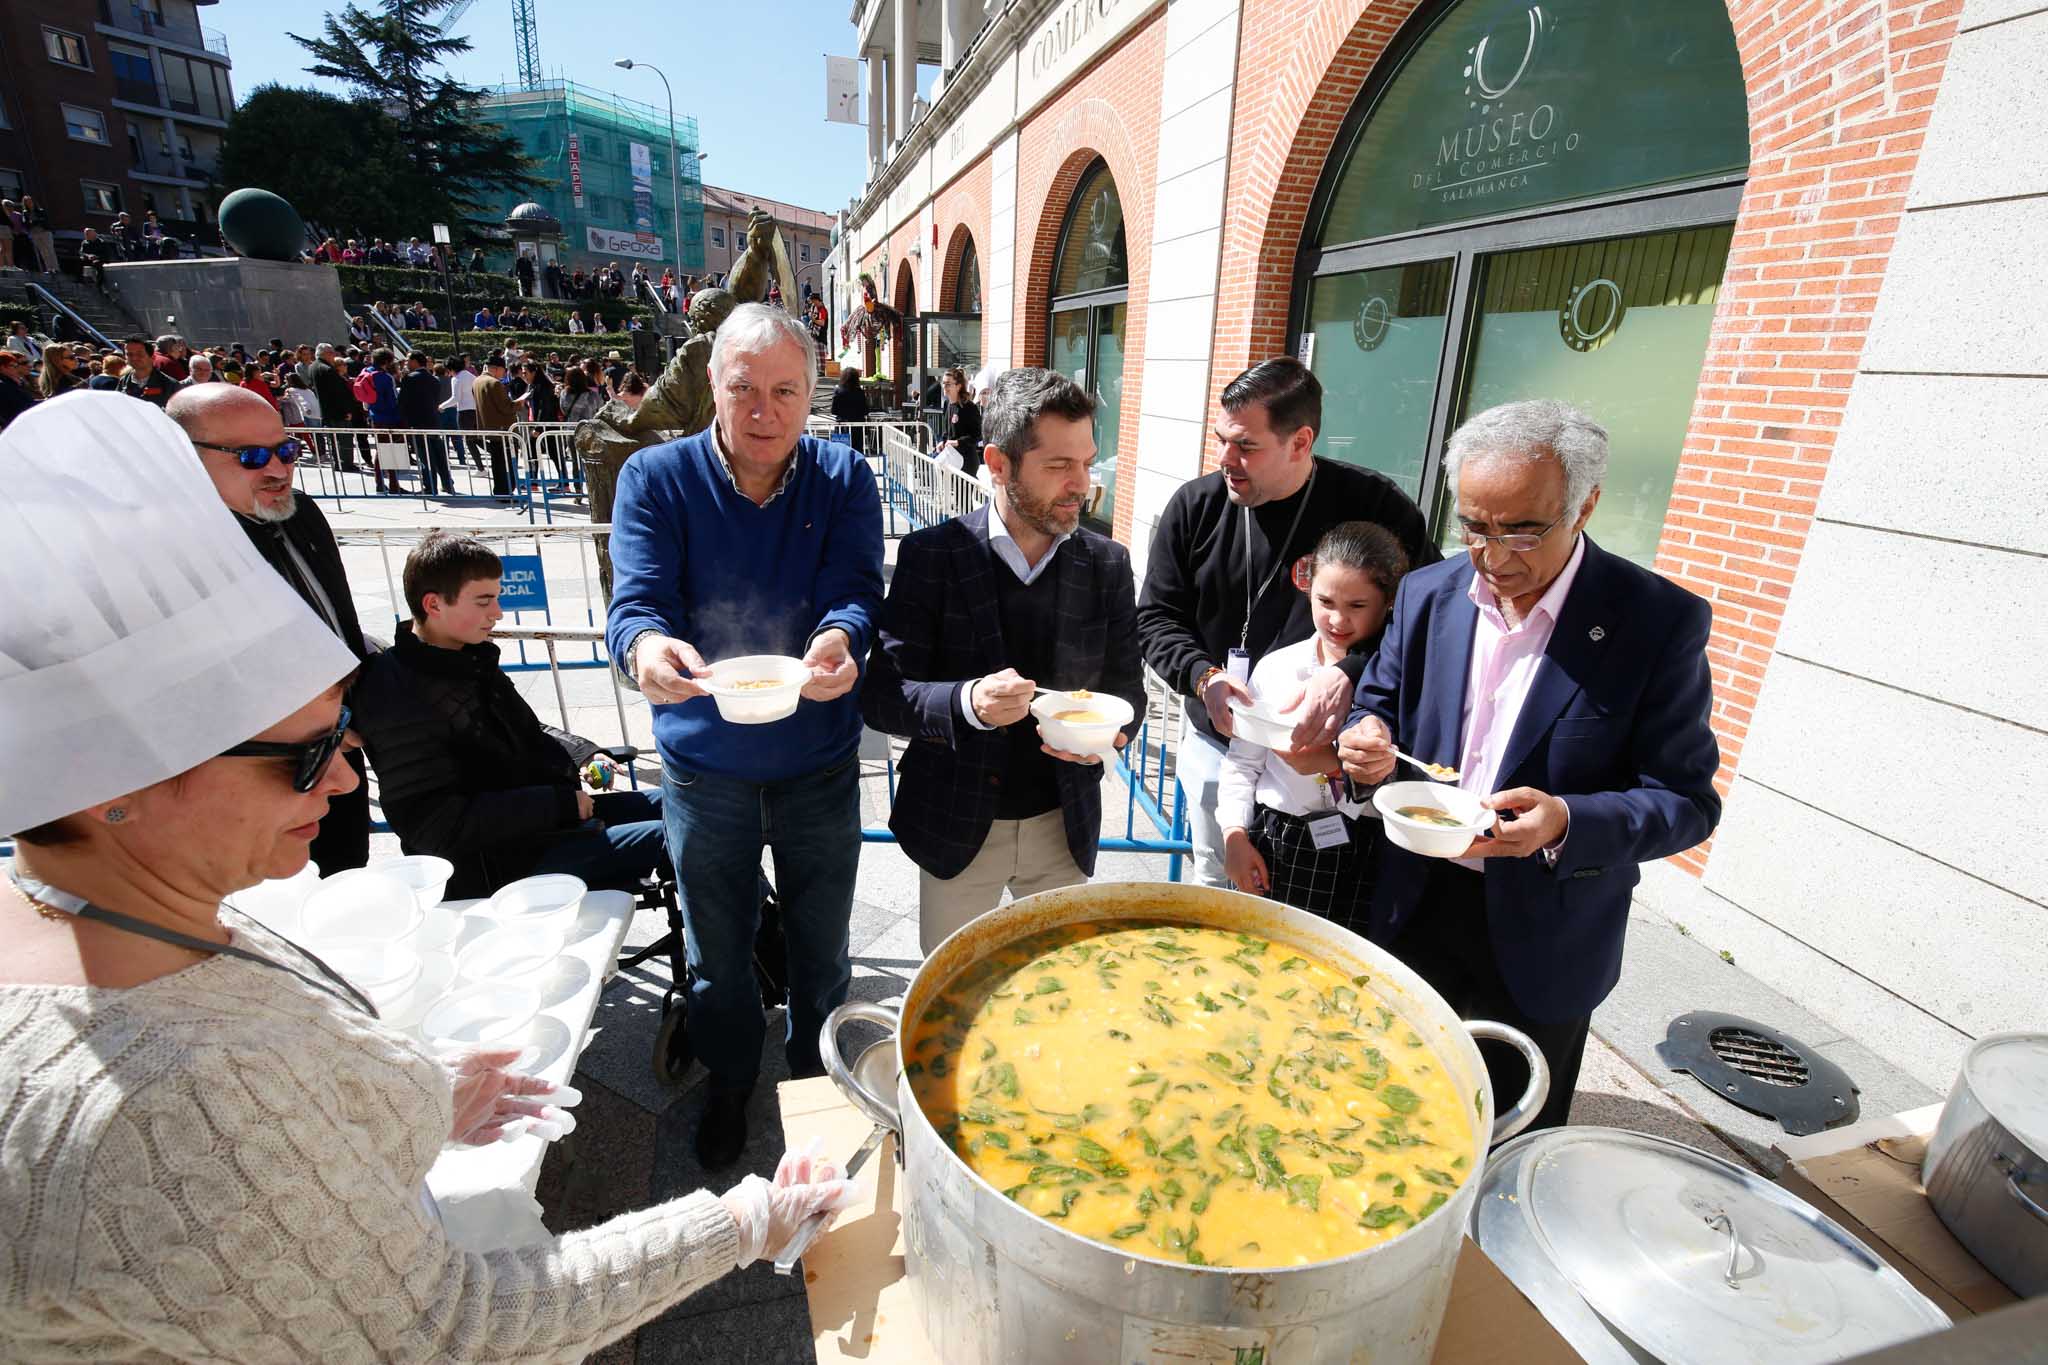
<point>1238,667</point>
<point>1328,830</point>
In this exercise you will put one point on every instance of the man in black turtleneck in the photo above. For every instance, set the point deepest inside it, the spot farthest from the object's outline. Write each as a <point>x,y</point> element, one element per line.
<point>231,428</point>
<point>1220,574</point>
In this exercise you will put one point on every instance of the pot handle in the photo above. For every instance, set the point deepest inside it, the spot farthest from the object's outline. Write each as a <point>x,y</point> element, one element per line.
<point>881,1109</point>
<point>2014,1179</point>
<point>1513,1121</point>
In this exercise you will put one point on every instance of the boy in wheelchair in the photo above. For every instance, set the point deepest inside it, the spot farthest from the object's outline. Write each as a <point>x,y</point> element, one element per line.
<point>465,769</point>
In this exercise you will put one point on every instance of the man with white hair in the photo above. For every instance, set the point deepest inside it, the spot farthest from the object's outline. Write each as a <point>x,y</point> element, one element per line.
<point>752,538</point>
<point>1570,690</point>
<point>241,444</point>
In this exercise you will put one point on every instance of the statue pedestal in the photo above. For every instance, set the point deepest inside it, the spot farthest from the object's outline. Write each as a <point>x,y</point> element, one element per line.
<point>225,299</point>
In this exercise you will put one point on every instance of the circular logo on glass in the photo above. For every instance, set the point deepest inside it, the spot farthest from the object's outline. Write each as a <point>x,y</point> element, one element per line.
<point>1374,321</point>
<point>1480,91</point>
<point>1591,314</point>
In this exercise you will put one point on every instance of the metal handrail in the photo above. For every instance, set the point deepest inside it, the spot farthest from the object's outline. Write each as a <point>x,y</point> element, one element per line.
<point>397,338</point>
<point>653,293</point>
<point>68,311</point>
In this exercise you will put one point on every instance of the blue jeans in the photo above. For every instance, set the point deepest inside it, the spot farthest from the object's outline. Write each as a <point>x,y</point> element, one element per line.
<point>621,843</point>
<point>717,827</point>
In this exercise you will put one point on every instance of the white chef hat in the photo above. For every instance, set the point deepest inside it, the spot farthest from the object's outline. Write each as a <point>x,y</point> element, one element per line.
<point>140,631</point>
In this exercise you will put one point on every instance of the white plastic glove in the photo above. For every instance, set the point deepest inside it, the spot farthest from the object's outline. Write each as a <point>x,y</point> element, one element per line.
<point>489,1097</point>
<point>770,1214</point>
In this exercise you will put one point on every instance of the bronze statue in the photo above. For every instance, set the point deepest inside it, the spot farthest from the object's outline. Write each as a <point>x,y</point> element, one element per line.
<point>679,402</point>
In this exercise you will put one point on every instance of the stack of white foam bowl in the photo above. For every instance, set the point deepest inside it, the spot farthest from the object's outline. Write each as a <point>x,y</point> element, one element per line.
<point>502,972</point>
<point>362,923</point>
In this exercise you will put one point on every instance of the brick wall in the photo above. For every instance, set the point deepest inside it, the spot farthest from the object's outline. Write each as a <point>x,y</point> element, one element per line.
<point>961,214</point>
<point>1113,112</point>
<point>1839,95</point>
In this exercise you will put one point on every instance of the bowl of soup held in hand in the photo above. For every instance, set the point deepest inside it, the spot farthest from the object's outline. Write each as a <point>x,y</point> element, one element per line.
<point>1432,818</point>
<point>1081,721</point>
<point>1155,1115</point>
<point>755,689</point>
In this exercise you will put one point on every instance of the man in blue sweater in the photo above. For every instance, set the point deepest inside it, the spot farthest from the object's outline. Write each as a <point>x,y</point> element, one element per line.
<point>751,538</point>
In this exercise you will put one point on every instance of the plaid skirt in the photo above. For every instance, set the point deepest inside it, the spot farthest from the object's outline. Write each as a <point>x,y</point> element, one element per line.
<point>1336,883</point>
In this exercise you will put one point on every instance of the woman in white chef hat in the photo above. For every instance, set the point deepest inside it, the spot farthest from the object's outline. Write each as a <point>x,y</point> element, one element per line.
<point>210,1148</point>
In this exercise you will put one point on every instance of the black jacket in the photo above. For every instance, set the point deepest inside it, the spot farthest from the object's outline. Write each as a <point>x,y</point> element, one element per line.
<point>15,399</point>
<point>308,531</point>
<point>419,399</point>
<point>849,404</point>
<point>465,770</point>
<point>338,405</point>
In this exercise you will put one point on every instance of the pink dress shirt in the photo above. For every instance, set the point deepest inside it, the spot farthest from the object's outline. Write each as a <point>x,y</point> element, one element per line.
<point>1503,668</point>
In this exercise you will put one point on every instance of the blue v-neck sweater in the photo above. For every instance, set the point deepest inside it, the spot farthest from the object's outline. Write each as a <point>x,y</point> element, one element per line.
<point>694,558</point>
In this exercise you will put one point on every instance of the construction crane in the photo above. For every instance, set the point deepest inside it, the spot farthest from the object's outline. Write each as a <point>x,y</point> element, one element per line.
<point>524,33</point>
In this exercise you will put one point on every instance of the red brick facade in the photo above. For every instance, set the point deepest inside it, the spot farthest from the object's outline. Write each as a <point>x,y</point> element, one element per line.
<point>961,216</point>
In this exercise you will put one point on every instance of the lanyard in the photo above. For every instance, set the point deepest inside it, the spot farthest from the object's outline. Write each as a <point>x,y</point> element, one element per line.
<point>85,909</point>
<point>1279,558</point>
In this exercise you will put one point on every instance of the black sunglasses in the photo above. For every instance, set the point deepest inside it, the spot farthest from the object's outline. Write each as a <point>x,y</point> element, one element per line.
<point>309,760</point>
<point>255,457</point>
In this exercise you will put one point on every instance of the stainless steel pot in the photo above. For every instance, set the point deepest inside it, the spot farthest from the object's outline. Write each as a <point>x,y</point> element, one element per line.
<point>1986,1169</point>
<point>999,1285</point>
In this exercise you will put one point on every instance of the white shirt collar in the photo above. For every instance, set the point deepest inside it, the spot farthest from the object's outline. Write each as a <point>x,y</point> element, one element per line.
<point>1006,548</point>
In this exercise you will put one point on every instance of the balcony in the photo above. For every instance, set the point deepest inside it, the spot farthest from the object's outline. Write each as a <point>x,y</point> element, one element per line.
<point>131,18</point>
<point>156,164</point>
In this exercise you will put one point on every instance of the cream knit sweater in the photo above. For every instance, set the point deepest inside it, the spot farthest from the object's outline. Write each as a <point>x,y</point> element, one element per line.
<point>225,1164</point>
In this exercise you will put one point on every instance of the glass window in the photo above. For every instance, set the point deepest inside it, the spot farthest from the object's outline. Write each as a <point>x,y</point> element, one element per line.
<point>1091,252</point>
<point>134,76</point>
<point>1379,342</point>
<point>1618,328</point>
<point>804,251</point>
<point>718,236</point>
<point>967,293</point>
<point>101,197</point>
<point>66,48</point>
<point>1506,105</point>
<point>84,125</point>
<point>11,184</point>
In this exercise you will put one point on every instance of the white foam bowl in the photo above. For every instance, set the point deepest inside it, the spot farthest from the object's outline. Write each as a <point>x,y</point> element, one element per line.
<point>754,705</point>
<point>1257,723</point>
<point>520,953</point>
<point>551,899</point>
<point>384,970</point>
<point>1421,836</point>
<point>1082,737</point>
<point>425,874</point>
<point>493,1013</point>
<point>361,904</point>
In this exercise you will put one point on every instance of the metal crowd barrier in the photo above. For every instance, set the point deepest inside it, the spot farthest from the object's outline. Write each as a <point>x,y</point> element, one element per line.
<point>541,464</point>
<point>916,490</point>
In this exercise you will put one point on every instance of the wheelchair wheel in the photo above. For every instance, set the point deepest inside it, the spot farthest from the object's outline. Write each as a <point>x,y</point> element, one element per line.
<point>672,1051</point>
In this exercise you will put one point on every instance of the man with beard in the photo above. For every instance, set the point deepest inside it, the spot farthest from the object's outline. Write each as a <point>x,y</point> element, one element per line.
<point>241,442</point>
<point>982,610</point>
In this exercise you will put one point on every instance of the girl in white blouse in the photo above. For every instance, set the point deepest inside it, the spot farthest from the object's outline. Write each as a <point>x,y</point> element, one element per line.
<point>1287,832</point>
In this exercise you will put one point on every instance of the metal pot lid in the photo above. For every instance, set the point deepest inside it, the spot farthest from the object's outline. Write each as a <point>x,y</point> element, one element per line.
<point>1698,1260</point>
<point>2008,1073</point>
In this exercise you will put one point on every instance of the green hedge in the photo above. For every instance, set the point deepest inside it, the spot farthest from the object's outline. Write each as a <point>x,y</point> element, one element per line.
<point>11,313</point>
<point>403,283</point>
<point>467,304</point>
<point>477,343</point>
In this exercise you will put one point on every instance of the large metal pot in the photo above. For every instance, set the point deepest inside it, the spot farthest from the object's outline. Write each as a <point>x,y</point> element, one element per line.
<point>1986,1169</point>
<point>999,1285</point>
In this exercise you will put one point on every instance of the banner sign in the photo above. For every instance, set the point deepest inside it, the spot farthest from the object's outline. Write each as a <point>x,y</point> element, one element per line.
<point>610,242</point>
<point>576,169</point>
<point>521,584</point>
<point>842,90</point>
<point>643,186</point>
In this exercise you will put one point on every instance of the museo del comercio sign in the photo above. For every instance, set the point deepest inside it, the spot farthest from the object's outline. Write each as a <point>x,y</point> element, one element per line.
<point>1511,141</point>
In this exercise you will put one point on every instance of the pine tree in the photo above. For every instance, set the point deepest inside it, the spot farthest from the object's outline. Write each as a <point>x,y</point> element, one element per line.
<point>392,54</point>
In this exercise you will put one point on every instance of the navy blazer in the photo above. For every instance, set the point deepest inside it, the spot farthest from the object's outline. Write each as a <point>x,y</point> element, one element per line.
<point>941,630</point>
<point>1616,723</point>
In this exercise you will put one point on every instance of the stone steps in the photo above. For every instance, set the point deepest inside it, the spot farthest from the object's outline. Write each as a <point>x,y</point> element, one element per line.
<point>85,300</point>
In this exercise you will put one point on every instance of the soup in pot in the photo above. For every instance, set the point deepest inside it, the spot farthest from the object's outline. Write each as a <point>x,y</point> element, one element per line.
<point>1190,1093</point>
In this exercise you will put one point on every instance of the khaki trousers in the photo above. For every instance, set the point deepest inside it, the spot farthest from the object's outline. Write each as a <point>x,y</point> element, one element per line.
<point>1025,856</point>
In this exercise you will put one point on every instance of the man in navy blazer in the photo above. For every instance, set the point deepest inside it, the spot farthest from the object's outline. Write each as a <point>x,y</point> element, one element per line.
<point>983,609</point>
<point>1568,687</point>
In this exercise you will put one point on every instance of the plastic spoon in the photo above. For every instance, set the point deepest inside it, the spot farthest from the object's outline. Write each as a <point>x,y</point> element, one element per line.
<point>1437,772</point>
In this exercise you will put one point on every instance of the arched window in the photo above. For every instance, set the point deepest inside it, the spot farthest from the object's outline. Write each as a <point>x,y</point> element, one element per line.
<point>1532,201</point>
<point>967,285</point>
<point>1087,312</point>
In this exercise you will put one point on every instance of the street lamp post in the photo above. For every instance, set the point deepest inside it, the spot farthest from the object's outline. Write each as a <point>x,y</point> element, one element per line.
<point>675,191</point>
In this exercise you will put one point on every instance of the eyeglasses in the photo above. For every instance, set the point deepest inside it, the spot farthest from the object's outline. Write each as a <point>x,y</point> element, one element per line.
<point>255,457</point>
<point>309,760</point>
<point>1519,543</point>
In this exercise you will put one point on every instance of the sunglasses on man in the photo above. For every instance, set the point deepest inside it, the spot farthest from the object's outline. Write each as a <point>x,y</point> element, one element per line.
<point>309,760</point>
<point>255,457</point>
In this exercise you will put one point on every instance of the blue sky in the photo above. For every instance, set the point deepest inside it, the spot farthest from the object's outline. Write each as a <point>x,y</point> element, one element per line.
<point>752,74</point>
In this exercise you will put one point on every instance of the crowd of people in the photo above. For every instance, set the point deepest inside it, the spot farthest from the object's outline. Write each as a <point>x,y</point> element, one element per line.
<point>26,242</point>
<point>1565,688</point>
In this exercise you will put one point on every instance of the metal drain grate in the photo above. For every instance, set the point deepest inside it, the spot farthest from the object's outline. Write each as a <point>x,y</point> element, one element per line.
<point>1762,1070</point>
<point>1758,1057</point>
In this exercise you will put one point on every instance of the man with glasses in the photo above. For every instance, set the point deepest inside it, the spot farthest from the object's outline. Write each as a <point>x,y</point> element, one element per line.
<point>1568,688</point>
<point>241,443</point>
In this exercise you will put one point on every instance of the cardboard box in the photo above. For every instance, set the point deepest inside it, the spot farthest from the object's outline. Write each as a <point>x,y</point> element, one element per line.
<point>1867,1178</point>
<point>860,1303</point>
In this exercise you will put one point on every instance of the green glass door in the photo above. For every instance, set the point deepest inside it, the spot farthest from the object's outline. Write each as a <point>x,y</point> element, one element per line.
<point>1619,329</point>
<point>1086,344</point>
<point>1379,341</point>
